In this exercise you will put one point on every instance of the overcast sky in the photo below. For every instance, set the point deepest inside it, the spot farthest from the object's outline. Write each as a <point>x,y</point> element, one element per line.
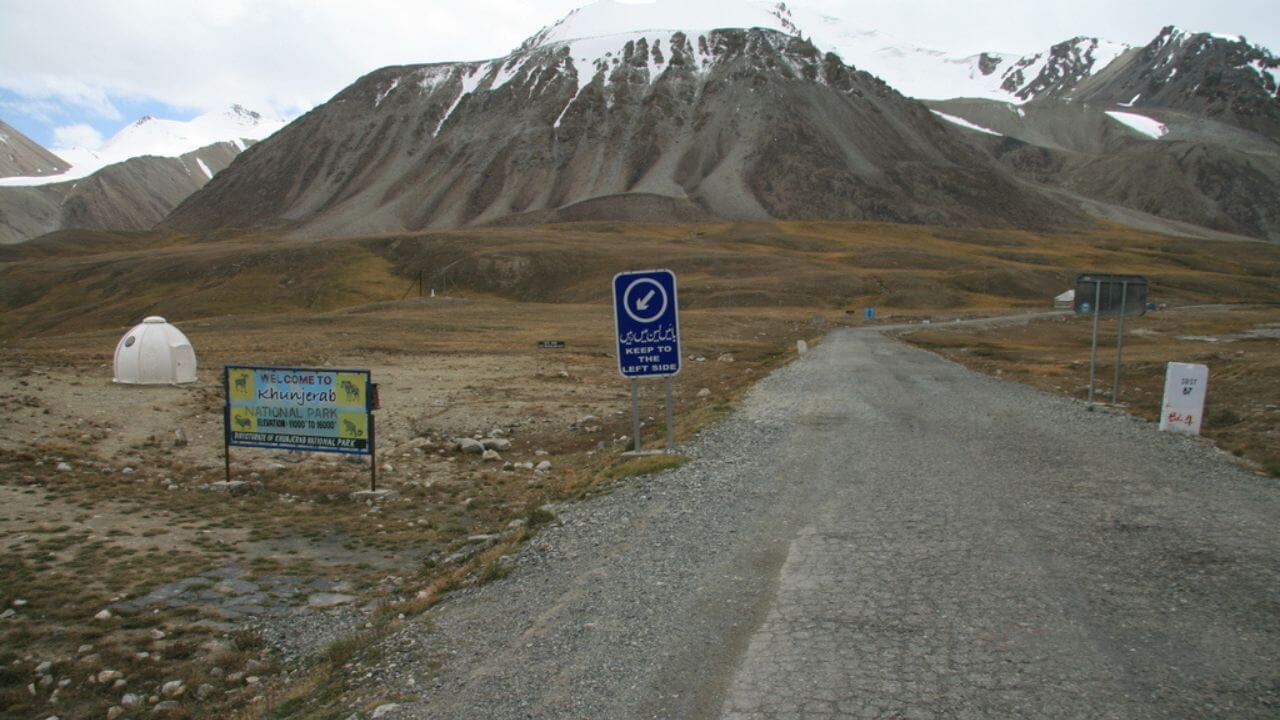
<point>74,71</point>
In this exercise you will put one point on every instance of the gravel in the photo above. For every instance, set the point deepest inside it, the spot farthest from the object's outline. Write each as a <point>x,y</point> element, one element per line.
<point>880,533</point>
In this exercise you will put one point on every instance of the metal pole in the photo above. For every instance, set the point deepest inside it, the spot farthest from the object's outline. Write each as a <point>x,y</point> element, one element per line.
<point>1115,386</point>
<point>635,414</point>
<point>671,419</point>
<point>226,423</point>
<point>373,456</point>
<point>1093,354</point>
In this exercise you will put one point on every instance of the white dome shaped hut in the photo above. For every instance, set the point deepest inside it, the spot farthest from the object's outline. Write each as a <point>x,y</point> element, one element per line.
<point>155,353</point>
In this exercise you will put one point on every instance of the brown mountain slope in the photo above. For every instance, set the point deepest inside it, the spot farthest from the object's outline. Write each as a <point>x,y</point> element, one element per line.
<point>20,155</point>
<point>738,124</point>
<point>132,195</point>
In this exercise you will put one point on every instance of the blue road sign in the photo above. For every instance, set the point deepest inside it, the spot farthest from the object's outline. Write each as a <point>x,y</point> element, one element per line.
<point>647,319</point>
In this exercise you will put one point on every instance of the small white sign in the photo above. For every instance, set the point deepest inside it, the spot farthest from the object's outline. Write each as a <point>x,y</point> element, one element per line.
<point>1185,385</point>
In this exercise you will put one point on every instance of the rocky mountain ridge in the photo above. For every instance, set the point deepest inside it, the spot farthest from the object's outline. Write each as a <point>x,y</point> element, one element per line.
<point>733,123</point>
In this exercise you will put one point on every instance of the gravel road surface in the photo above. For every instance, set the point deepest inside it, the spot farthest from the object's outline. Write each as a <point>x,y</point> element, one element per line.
<point>880,533</point>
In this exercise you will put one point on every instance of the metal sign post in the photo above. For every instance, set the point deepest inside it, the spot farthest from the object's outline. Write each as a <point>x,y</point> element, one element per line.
<point>647,322</point>
<point>1093,353</point>
<point>1115,385</point>
<point>1110,295</point>
<point>548,345</point>
<point>635,414</point>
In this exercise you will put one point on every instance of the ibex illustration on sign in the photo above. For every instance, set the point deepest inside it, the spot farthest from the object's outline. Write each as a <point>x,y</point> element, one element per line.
<point>351,429</point>
<point>244,422</point>
<point>242,383</point>
<point>350,390</point>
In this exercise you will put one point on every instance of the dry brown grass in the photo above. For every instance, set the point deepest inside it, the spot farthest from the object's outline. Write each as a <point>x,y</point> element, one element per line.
<point>1241,346</point>
<point>454,366</point>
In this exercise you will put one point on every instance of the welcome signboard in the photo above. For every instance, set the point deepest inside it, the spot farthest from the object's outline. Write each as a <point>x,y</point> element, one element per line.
<point>309,409</point>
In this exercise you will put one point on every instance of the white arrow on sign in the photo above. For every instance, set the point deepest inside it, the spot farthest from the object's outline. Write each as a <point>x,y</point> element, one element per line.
<point>642,304</point>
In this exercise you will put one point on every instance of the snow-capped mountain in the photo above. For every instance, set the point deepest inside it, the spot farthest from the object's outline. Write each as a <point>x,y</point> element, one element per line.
<point>158,137</point>
<point>659,110</point>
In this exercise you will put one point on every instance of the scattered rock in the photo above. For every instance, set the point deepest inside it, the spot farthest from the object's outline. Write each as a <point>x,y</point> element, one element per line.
<point>157,634</point>
<point>165,706</point>
<point>374,495</point>
<point>173,688</point>
<point>8,613</point>
<point>114,712</point>
<point>541,452</point>
<point>19,603</point>
<point>231,487</point>
<point>704,392</point>
<point>86,648</point>
<point>64,467</point>
<point>497,433</point>
<point>725,358</point>
<point>103,615</point>
<point>44,668</point>
<point>491,456</point>
<point>493,443</point>
<point>327,600</point>
<point>204,692</point>
<point>469,446</point>
<point>130,700</point>
<point>179,437</point>
<point>107,676</point>
<point>384,709</point>
<point>543,466</point>
<point>587,420</point>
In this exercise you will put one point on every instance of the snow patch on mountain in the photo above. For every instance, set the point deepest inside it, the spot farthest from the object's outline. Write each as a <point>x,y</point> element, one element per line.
<point>610,17</point>
<point>1153,129</point>
<point>159,137</point>
<point>965,123</point>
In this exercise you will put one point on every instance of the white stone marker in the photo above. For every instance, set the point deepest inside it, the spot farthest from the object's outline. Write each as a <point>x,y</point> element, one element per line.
<point>802,347</point>
<point>1185,385</point>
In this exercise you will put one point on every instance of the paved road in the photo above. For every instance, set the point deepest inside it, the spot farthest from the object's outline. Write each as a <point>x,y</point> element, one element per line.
<point>883,534</point>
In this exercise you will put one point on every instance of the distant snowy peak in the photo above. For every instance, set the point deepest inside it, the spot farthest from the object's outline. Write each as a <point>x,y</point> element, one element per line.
<point>610,17</point>
<point>1060,69</point>
<point>162,138</point>
<point>171,138</point>
<point>1176,50</point>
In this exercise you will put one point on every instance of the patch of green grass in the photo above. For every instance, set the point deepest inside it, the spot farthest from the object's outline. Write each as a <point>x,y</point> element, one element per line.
<point>636,467</point>
<point>538,516</point>
<point>495,570</point>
